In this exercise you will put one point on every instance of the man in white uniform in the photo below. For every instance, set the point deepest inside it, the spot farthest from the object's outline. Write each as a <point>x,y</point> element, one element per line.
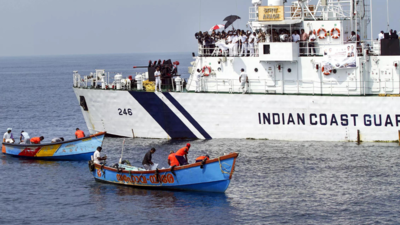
<point>243,79</point>
<point>235,42</point>
<point>295,37</point>
<point>198,76</point>
<point>256,40</point>
<point>381,36</point>
<point>243,39</point>
<point>24,138</point>
<point>251,45</point>
<point>157,76</point>
<point>97,156</point>
<point>8,136</point>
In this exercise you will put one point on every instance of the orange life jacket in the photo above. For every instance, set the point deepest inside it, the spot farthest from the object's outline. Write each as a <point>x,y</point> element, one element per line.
<point>172,159</point>
<point>79,134</point>
<point>35,140</point>
<point>183,151</point>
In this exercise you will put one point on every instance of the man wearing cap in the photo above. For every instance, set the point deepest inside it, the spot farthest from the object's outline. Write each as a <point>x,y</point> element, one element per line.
<point>8,136</point>
<point>181,153</point>
<point>24,138</point>
<point>243,79</point>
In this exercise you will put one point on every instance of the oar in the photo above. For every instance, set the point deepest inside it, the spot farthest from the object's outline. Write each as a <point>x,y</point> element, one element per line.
<point>122,152</point>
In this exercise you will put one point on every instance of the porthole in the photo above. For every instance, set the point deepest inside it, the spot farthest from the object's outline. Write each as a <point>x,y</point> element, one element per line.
<point>256,70</point>
<point>289,70</point>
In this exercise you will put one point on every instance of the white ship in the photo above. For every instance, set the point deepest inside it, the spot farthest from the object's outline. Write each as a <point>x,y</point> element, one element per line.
<point>291,95</point>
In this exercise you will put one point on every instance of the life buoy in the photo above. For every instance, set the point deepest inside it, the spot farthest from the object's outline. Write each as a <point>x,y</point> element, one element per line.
<point>326,72</point>
<point>324,35</point>
<point>338,33</point>
<point>206,73</point>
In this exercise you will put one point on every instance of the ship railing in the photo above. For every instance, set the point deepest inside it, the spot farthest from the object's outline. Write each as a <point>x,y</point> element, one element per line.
<point>311,87</point>
<point>214,51</point>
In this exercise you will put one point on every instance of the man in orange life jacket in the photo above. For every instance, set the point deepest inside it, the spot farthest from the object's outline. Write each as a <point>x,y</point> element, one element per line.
<point>36,140</point>
<point>183,152</point>
<point>79,133</point>
<point>201,158</point>
<point>172,161</point>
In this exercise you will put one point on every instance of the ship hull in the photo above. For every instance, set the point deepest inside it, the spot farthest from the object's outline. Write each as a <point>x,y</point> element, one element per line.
<point>178,115</point>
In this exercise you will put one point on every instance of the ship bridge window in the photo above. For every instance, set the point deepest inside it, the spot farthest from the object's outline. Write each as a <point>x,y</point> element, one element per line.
<point>266,49</point>
<point>82,101</point>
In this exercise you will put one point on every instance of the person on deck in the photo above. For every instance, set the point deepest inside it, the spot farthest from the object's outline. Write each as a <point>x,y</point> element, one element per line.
<point>8,136</point>
<point>243,79</point>
<point>181,155</point>
<point>198,76</point>
<point>79,133</point>
<point>36,140</point>
<point>303,41</point>
<point>172,161</point>
<point>157,76</point>
<point>311,44</point>
<point>243,40</point>
<point>58,139</point>
<point>381,35</point>
<point>201,158</point>
<point>24,138</point>
<point>147,159</point>
<point>97,156</point>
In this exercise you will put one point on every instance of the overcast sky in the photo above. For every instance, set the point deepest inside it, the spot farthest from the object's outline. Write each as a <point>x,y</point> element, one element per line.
<point>63,27</point>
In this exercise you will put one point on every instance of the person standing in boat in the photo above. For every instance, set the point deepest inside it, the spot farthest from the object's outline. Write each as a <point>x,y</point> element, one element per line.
<point>79,133</point>
<point>147,159</point>
<point>8,136</point>
<point>97,156</point>
<point>243,79</point>
<point>157,75</point>
<point>172,161</point>
<point>24,138</point>
<point>37,140</point>
<point>181,155</point>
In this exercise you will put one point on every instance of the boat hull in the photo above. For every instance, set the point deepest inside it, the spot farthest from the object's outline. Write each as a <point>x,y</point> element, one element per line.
<point>253,116</point>
<point>215,176</point>
<point>73,150</point>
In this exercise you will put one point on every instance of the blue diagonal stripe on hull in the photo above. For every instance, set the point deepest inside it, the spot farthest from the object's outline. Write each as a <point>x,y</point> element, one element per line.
<point>164,116</point>
<point>187,115</point>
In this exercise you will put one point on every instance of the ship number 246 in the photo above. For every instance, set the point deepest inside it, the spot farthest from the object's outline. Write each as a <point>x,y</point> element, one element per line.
<point>122,112</point>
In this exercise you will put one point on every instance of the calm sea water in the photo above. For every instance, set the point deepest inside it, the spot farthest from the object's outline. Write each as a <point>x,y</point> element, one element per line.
<point>274,183</point>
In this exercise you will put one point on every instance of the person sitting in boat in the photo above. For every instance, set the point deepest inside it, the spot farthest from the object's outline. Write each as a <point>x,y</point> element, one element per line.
<point>79,133</point>
<point>172,161</point>
<point>24,138</point>
<point>97,156</point>
<point>181,155</point>
<point>8,136</point>
<point>57,139</point>
<point>147,159</point>
<point>201,158</point>
<point>36,140</point>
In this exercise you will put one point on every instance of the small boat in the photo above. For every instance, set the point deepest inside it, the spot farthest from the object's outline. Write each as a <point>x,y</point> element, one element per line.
<point>72,150</point>
<point>213,175</point>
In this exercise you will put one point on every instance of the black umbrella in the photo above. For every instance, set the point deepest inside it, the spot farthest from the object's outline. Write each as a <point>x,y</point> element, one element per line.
<point>230,19</point>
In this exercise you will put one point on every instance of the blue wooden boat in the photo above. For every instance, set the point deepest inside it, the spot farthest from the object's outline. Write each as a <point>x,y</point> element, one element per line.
<point>213,176</point>
<point>72,150</point>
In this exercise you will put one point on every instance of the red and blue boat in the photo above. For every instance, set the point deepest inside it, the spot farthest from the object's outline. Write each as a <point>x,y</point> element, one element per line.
<point>213,175</point>
<point>72,150</point>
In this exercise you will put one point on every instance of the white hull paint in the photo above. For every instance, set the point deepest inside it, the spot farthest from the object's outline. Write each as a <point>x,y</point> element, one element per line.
<point>258,116</point>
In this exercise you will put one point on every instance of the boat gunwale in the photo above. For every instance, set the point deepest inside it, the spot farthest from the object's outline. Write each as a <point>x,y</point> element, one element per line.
<point>56,143</point>
<point>221,158</point>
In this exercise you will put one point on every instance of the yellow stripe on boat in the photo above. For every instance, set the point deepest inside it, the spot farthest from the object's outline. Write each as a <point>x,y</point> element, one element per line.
<point>47,151</point>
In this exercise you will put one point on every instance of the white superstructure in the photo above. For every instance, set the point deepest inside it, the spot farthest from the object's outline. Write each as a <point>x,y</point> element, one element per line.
<point>344,91</point>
